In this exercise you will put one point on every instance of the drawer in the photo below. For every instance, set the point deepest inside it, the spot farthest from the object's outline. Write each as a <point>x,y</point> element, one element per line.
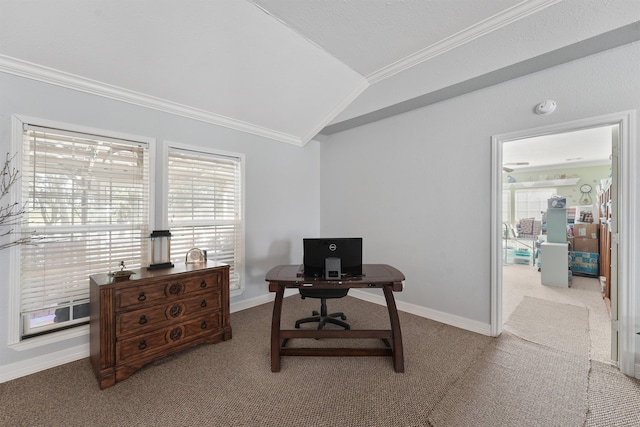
<point>127,298</point>
<point>135,348</point>
<point>161,315</point>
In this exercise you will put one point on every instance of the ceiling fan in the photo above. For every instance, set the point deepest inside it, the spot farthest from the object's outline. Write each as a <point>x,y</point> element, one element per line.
<point>508,170</point>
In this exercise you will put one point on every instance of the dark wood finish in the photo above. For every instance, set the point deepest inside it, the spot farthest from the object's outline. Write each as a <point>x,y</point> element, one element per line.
<point>605,199</point>
<point>380,276</point>
<point>153,314</point>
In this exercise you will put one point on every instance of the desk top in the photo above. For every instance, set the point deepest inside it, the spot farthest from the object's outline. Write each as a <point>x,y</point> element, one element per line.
<point>373,276</point>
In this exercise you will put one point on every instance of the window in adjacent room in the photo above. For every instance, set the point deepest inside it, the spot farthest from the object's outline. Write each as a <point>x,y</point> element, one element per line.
<point>506,206</point>
<point>204,206</point>
<point>530,203</point>
<point>86,203</point>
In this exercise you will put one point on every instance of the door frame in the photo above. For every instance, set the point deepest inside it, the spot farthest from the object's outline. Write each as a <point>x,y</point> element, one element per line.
<point>626,196</point>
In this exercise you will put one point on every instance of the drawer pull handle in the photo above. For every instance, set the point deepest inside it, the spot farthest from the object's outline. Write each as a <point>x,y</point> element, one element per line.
<point>175,334</point>
<point>142,345</point>
<point>143,319</point>
<point>142,297</point>
<point>175,310</point>
<point>174,289</point>
<point>203,325</point>
<point>203,283</point>
<point>203,304</point>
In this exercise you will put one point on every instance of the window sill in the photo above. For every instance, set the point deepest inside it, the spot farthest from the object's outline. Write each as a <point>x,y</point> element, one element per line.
<point>52,338</point>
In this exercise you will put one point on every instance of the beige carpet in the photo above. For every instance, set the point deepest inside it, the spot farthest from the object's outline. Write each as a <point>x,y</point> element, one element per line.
<point>453,377</point>
<point>534,374</point>
<point>520,281</point>
<point>231,384</point>
<point>614,400</point>
<point>518,383</point>
<point>560,326</point>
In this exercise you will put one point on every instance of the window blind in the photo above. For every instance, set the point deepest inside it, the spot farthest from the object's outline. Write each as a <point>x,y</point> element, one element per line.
<point>87,209</point>
<point>205,207</point>
<point>530,203</point>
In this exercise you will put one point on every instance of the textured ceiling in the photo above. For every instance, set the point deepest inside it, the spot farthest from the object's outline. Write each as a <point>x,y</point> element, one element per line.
<point>585,147</point>
<point>369,36</point>
<point>285,69</point>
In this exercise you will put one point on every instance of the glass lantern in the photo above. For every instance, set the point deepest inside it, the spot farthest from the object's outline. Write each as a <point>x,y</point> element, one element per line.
<point>160,250</point>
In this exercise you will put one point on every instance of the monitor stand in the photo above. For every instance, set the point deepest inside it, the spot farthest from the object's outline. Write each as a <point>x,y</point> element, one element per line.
<point>332,268</point>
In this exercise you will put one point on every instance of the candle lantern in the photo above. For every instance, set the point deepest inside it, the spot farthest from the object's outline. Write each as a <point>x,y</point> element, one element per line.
<point>160,250</point>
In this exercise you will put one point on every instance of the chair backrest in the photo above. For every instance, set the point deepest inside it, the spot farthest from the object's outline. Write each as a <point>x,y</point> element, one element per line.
<point>528,227</point>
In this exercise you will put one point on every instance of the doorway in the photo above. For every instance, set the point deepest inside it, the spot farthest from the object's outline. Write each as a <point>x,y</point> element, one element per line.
<point>622,338</point>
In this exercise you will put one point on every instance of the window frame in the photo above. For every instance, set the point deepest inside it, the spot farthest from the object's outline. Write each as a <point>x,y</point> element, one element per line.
<point>14,324</point>
<point>538,216</point>
<point>164,205</point>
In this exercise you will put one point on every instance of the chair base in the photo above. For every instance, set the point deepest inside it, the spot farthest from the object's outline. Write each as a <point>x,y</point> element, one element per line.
<point>323,318</point>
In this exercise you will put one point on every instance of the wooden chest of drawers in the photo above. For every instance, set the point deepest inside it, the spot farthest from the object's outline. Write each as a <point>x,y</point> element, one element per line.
<point>154,314</point>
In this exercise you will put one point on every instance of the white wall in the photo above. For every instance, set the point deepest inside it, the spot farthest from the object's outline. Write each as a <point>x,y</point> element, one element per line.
<point>417,186</point>
<point>281,193</point>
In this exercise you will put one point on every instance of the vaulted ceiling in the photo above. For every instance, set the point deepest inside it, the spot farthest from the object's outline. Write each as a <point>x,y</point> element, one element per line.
<point>289,70</point>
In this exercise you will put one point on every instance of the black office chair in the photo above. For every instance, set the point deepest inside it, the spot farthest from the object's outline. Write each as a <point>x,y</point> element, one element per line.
<point>323,318</point>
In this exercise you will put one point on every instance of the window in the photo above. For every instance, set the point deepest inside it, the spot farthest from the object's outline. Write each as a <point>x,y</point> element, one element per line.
<point>87,209</point>
<point>530,203</point>
<point>205,207</point>
<point>506,206</point>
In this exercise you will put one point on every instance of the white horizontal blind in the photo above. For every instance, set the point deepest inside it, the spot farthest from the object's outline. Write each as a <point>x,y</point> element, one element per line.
<point>204,207</point>
<point>530,203</point>
<point>506,206</point>
<point>87,209</point>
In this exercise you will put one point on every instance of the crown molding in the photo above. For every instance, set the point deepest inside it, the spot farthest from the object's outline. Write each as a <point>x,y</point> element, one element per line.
<point>493,23</point>
<point>331,114</point>
<point>48,75</point>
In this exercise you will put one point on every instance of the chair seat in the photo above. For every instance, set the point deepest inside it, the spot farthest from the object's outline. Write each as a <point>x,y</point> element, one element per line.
<point>324,293</point>
<point>322,317</point>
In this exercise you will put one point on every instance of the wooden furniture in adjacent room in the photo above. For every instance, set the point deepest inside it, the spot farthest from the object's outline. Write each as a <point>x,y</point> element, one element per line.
<point>379,276</point>
<point>153,314</point>
<point>605,201</point>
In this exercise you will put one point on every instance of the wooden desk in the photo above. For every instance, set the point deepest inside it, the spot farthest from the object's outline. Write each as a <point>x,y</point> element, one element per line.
<point>374,276</point>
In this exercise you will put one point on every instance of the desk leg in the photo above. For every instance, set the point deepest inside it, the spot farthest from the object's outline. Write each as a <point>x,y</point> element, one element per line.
<point>275,330</point>
<point>398,355</point>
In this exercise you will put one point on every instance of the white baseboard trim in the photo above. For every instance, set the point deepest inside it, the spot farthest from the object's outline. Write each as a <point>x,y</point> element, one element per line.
<point>262,299</point>
<point>44,362</point>
<point>438,316</point>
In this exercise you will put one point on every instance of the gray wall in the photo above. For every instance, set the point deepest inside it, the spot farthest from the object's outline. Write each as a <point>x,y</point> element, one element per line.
<point>281,193</point>
<point>417,186</point>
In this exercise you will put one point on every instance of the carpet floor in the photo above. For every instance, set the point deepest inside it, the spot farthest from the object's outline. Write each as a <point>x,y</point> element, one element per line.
<point>453,377</point>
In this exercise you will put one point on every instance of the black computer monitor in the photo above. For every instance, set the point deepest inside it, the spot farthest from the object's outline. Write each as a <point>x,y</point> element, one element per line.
<point>320,252</point>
